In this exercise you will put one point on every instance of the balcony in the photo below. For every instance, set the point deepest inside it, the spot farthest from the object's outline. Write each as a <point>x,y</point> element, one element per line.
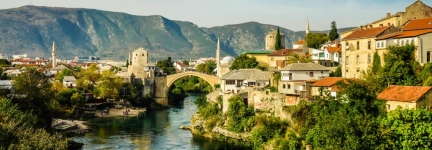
<point>304,94</point>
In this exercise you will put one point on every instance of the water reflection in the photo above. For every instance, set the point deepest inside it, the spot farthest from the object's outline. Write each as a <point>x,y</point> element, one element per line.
<point>154,130</point>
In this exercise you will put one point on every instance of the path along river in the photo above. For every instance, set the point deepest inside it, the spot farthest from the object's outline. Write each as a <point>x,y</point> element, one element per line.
<point>154,130</point>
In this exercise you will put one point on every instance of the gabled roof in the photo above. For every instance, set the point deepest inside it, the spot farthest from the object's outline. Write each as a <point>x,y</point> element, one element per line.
<point>418,24</point>
<point>246,74</point>
<point>181,64</point>
<point>300,42</point>
<point>334,49</point>
<point>69,79</point>
<point>366,33</point>
<point>304,66</point>
<point>403,93</point>
<point>405,34</point>
<point>327,81</point>
<point>285,52</point>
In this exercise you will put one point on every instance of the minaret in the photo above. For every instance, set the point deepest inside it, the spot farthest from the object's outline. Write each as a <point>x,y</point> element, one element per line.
<point>218,58</point>
<point>129,59</point>
<point>307,27</point>
<point>54,63</point>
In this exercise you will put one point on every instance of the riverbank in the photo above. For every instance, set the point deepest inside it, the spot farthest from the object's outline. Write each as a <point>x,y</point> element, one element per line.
<point>114,112</point>
<point>71,127</point>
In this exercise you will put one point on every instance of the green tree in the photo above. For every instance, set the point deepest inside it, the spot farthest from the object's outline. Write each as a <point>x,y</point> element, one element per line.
<point>333,35</point>
<point>109,85</point>
<point>278,44</point>
<point>314,40</point>
<point>244,62</point>
<point>127,63</point>
<point>185,62</point>
<point>409,128</point>
<point>336,73</point>
<point>240,116</point>
<point>34,95</point>
<point>65,72</point>
<point>276,78</point>
<point>206,67</point>
<point>296,58</point>
<point>401,66</point>
<point>376,63</point>
<point>166,66</point>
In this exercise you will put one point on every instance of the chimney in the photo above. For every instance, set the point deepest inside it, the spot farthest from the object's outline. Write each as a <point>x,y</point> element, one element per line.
<point>361,27</point>
<point>381,25</point>
<point>336,42</point>
<point>370,26</point>
<point>388,14</point>
<point>388,24</point>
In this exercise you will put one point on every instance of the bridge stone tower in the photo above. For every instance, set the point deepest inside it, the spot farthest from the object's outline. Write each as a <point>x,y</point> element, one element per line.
<point>53,54</point>
<point>139,61</point>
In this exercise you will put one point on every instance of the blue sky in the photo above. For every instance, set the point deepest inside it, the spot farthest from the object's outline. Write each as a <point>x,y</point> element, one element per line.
<point>290,14</point>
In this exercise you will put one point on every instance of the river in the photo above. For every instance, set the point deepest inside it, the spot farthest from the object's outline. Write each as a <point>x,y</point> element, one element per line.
<point>154,130</point>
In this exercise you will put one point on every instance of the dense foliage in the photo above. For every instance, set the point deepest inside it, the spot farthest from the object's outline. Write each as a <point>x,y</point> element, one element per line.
<point>336,73</point>
<point>333,34</point>
<point>166,66</point>
<point>401,66</point>
<point>240,116</point>
<point>244,62</point>
<point>207,67</point>
<point>314,40</point>
<point>296,58</point>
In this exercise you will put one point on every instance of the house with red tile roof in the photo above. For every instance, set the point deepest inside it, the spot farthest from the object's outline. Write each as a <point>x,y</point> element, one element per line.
<point>300,44</point>
<point>180,66</point>
<point>410,97</point>
<point>327,83</point>
<point>417,32</point>
<point>358,49</point>
<point>280,58</point>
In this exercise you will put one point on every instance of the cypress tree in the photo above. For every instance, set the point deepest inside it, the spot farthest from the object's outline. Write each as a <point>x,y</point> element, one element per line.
<point>278,44</point>
<point>127,62</point>
<point>376,63</point>
<point>333,35</point>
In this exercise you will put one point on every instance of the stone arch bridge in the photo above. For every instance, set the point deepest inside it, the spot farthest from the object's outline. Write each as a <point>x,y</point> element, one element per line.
<point>162,92</point>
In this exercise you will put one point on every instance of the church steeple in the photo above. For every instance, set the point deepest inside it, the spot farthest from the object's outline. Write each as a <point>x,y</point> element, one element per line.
<point>307,27</point>
<point>54,63</point>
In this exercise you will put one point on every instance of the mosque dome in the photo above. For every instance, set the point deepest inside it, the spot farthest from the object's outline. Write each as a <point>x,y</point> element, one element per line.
<point>227,59</point>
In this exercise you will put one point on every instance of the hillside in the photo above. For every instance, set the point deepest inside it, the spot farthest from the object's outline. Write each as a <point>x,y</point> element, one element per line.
<point>112,35</point>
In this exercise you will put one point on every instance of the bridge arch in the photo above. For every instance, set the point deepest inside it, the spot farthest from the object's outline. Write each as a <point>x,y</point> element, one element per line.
<point>170,79</point>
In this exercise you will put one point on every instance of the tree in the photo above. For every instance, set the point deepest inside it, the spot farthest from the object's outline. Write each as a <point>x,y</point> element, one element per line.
<point>376,63</point>
<point>401,66</point>
<point>333,35</point>
<point>63,73</point>
<point>314,40</point>
<point>127,63</point>
<point>77,99</point>
<point>296,58</point>
<point>244,62</point>
<point>409,128</point>
<point>109,85</point>
<point>206,67</point>
<point>33,95</point>
<point>166,66</point>
<point>276,78</point>
<point>278,44</point>
<point>336,73</point>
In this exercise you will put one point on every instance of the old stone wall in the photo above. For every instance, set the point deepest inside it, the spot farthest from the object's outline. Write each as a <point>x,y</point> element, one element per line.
<point>161,90</point>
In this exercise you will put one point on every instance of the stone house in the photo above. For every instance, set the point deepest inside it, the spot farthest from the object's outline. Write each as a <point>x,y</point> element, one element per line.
<point>417,32</point>
<point>295,77</point>
<point>359,48</point>
<point>279,59</point>
<point>69,81</point>
<point>327,83</point>
<point>410,97</point>
<point>236,80</point>
<point>127,77</point>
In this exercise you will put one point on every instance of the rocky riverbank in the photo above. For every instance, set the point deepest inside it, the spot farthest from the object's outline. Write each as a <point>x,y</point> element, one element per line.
<point>71,127</point>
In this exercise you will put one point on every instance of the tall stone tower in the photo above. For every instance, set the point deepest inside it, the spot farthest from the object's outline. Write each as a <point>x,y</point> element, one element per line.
<point>270,40</point>
<point>54,63</point>
<point>307,27</point>
<point>139,61</point>
<point>218,59</point>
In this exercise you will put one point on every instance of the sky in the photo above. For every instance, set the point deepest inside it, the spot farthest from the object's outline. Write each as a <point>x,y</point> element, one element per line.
<point>290,14</point>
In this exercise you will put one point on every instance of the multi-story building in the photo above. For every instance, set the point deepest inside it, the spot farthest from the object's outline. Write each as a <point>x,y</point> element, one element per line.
<point>359,47</point>
<point>417,32</point>
<point>294,79</point>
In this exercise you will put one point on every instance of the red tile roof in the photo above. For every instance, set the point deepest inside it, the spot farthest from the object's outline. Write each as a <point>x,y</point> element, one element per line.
<point>181,64</point>
<point>327,82</point>
<point>418,24</point>
<point>403,93</point>
<point>285,52</point>
<point>366,33</point>
<point>333,49</point>
<point>300,42</point>
<point>405,34</point>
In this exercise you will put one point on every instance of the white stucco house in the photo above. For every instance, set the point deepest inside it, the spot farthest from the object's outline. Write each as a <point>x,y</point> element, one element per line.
<point>236,80</point>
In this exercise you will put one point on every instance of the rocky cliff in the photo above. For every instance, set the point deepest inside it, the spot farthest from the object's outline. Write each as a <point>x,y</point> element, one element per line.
<point>79,32</point>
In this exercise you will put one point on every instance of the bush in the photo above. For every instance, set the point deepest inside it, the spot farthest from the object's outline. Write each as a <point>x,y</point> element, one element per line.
<point>240,116</point>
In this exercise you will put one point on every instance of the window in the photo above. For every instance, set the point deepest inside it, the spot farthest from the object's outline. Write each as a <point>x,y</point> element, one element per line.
<point>358,70</point>
<point>378,44</point>
<point>346,70</point>
<point>136,54</point>
<point>369,44</point>
<point>428,58</point>
<point>283,86</point>
<point>347,60</point>
<point>388,106</point>
<point>347,45</point>
<point>322,72</point>
<point>382,45</point>
<point>230,82</point>
<point>358,59</point>
<point>239,83</point>
<point>272,58</point>
<point>369,58</point>
<point>142,54</point>
<point>289,86</point>
<point>358,45</point>
<point>311,74</point>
